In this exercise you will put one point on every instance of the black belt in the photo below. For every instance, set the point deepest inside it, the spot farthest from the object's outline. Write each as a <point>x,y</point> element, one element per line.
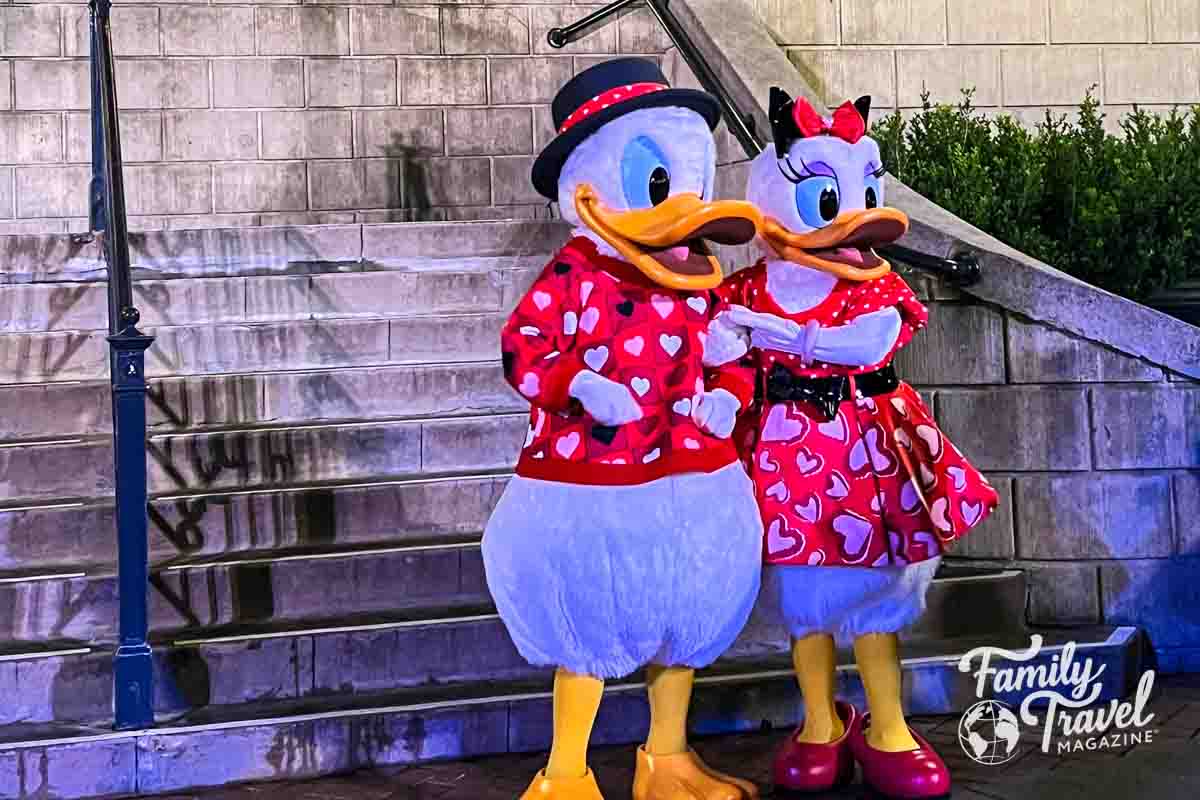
<point>827,393</point>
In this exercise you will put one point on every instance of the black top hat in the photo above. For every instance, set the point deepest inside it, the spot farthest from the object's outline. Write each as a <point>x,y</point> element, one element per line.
<point>602,93</point>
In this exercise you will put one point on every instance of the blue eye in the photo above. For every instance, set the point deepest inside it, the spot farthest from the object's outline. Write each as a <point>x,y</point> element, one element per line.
<point>817,200</point>
<point>874,192</point>
<point>644,173</point>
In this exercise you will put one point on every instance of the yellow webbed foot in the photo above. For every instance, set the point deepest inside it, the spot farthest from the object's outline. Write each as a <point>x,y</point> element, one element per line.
<point>748,788</point>
<point>682,776</point>
<point>582,788</point>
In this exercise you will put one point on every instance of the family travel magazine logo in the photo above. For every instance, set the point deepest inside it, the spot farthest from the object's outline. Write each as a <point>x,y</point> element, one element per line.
<point>1067,691</point>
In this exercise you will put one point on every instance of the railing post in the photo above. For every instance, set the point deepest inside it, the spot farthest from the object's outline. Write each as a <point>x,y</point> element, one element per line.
<point>133,666</point>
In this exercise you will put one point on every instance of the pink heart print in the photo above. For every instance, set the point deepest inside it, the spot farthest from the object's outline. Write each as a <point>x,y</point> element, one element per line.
<point>870,450</point>
<point>835,428</point>
<point>778,492</point>
<point>810,509</point>
<point>663,305</point>
<point>807,463</point>
<point>838,488</point>
<point>530,385</point>
<point>938,513</point>
<point>932,440</point>
<point>589,319</point>
<point>959,476</point>
<point>566,445</point>
<point>780,427</point>
<point>780,537</point>
<point>854,530</point>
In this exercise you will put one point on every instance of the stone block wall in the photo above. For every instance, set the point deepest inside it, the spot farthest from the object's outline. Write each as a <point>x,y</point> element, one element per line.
<point>1022,56</point>
<point>280,112</point>
<point>1096,456</point>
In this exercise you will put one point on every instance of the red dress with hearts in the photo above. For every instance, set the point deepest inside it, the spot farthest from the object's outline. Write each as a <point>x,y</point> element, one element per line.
<point>877,485</point>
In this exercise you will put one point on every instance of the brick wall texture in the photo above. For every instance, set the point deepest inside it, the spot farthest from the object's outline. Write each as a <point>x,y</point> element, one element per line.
<point>244,114</point>
<point>281,112</point>
<point>1022,56</point>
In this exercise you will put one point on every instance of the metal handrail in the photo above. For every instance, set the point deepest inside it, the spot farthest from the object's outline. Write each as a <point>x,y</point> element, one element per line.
<point>963,270</point>
<point>741,125</point>
<point>133,661</point>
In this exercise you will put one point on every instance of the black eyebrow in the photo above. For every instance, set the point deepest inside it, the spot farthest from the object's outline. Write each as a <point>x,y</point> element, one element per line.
<point>878,172</point>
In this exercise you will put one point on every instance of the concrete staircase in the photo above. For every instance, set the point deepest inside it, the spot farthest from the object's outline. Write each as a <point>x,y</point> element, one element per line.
<point>329,431</point>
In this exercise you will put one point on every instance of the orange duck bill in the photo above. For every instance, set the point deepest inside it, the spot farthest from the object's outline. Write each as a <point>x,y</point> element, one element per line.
<point>844,247</point>
<point>668,242</point>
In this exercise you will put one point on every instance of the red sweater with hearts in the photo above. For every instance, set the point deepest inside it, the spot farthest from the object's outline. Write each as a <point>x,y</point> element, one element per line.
<point>590,311</point>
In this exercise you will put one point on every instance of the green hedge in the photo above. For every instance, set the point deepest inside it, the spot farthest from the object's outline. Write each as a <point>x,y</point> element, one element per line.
<point>1117,211</point>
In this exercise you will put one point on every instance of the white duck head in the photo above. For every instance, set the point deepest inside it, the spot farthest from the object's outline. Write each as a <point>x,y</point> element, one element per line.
<point>820,189</point>
<point>638,179</point>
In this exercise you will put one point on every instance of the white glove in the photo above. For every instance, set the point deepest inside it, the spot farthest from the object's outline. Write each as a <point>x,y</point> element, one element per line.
<point>757,321</point>
<point>802,343</point>
<point>730,333</point>
<point>724,341</point>
<point>609,402</point>
<point>715,412</point>
<point>861,342</point>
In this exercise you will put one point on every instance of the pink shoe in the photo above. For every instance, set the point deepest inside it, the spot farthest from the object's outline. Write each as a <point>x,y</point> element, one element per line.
<point>917,774</point>
<point>806,767</point>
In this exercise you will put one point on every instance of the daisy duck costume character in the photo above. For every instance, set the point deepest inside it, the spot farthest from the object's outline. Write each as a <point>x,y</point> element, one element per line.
<point>629,536</point>
<point>859,490</point>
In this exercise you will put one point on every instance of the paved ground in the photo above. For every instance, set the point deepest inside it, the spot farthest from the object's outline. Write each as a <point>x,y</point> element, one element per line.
<point>1167,768</point>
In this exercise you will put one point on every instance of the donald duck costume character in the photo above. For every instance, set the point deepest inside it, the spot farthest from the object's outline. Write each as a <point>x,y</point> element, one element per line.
<point>629,536</point>
<point>860,492</point>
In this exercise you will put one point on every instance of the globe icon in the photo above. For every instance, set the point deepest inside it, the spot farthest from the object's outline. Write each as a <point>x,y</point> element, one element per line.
<point>988,732</point>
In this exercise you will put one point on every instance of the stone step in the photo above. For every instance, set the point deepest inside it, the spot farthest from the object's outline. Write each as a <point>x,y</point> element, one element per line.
<point>251,661</point>
<point>484,245</point>
<point>56,411</point>
<point>226,667</point>
<point>41,307</point>
<point>973,601</point>
<point>258,347</point>
<point>291,739</point>
<point>246,524</point>
<point>185,464</point>
<point>83,607</point>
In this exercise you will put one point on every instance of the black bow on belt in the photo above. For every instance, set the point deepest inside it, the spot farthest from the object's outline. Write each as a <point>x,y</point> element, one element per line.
<point>827,393</point>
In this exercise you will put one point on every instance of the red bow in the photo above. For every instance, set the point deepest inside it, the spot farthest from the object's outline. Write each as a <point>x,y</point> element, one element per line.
<point>847,123</point>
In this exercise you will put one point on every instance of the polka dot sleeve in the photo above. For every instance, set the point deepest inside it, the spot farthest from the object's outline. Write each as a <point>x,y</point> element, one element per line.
<point>890,291</point>
<point>734,290</point>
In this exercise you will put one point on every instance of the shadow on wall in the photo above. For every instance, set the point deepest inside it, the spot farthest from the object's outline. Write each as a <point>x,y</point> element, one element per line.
<point>408,178</point>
